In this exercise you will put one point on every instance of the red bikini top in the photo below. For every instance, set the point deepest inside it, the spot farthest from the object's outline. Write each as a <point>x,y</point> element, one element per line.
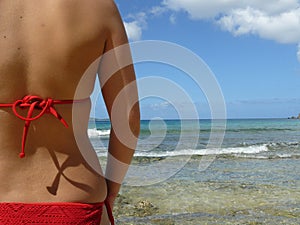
<point>35,102</point>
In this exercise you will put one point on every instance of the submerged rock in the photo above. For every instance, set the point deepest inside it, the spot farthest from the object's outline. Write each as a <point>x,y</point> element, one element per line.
<point>145,208</point>
<point>124,206</point>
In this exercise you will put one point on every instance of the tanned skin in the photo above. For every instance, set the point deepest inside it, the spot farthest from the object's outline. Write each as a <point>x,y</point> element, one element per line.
<point>46,48</point>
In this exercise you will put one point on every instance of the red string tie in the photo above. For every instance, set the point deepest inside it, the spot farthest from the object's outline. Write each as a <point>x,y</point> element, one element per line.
<point>32,103</point>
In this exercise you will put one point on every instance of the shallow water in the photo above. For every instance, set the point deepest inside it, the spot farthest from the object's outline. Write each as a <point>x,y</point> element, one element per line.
<point>253,178</point>
<point>230,191</point>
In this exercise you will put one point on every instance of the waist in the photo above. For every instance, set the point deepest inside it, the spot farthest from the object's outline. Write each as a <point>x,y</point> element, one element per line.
<point>50,177</point>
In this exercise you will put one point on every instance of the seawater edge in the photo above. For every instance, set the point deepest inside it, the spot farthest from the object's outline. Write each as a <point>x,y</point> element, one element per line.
<point>255,180</point>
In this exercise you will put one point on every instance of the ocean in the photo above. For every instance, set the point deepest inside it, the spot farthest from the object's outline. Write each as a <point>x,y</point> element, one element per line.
<point>183,172</point>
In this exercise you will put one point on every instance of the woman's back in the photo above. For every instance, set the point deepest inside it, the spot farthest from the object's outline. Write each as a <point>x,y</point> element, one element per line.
<point>45,48</point>
<point>48,42</point>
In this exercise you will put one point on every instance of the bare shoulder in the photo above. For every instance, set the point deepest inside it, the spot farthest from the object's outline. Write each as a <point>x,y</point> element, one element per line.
<point>110,11</point>
<point>105,11</point>
<point>103,7</point>
<point>109,5</point>
<point>114,23</point>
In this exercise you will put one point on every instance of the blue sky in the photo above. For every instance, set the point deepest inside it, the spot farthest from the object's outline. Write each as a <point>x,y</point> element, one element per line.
<point>252,48</point>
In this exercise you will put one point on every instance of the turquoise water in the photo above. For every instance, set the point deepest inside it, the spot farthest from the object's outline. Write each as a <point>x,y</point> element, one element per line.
<point>257,138</point>
<point>251,178</point>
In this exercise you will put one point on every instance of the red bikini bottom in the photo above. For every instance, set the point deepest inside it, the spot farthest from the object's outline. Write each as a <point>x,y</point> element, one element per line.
<point>61,213</point>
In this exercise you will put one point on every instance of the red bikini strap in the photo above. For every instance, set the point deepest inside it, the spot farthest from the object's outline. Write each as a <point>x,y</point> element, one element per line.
<point>109,212</point>
<point>35,102</point>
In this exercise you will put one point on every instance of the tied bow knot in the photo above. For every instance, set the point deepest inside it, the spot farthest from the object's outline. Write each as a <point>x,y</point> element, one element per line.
<point>32,103</point>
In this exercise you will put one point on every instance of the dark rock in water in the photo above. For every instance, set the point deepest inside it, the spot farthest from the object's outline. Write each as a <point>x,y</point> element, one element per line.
<point>145,160</point>
<point>294,117</point>
<point>124,206</point>
<point>145,208</point>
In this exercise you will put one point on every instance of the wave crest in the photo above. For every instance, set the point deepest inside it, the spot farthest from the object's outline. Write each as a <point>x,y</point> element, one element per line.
<point>97,133</point>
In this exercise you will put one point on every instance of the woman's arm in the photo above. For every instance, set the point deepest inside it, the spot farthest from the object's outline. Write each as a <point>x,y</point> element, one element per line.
<point>119,90</point>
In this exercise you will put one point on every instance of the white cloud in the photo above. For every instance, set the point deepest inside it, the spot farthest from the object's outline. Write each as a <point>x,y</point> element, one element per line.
<point>283,27</point>
<point>277,20</point>
<point>157,10</point>
<point>210,9</point>
<point>198,9</point>
<point>173,19</point>
<point>298,53</point>
<point>160,106</point>
<point>133,30</point>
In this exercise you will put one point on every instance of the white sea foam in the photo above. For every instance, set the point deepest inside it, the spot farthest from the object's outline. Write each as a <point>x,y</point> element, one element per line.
<point>284,156</point>
<point>255,149</point>
<point>97,133</point>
